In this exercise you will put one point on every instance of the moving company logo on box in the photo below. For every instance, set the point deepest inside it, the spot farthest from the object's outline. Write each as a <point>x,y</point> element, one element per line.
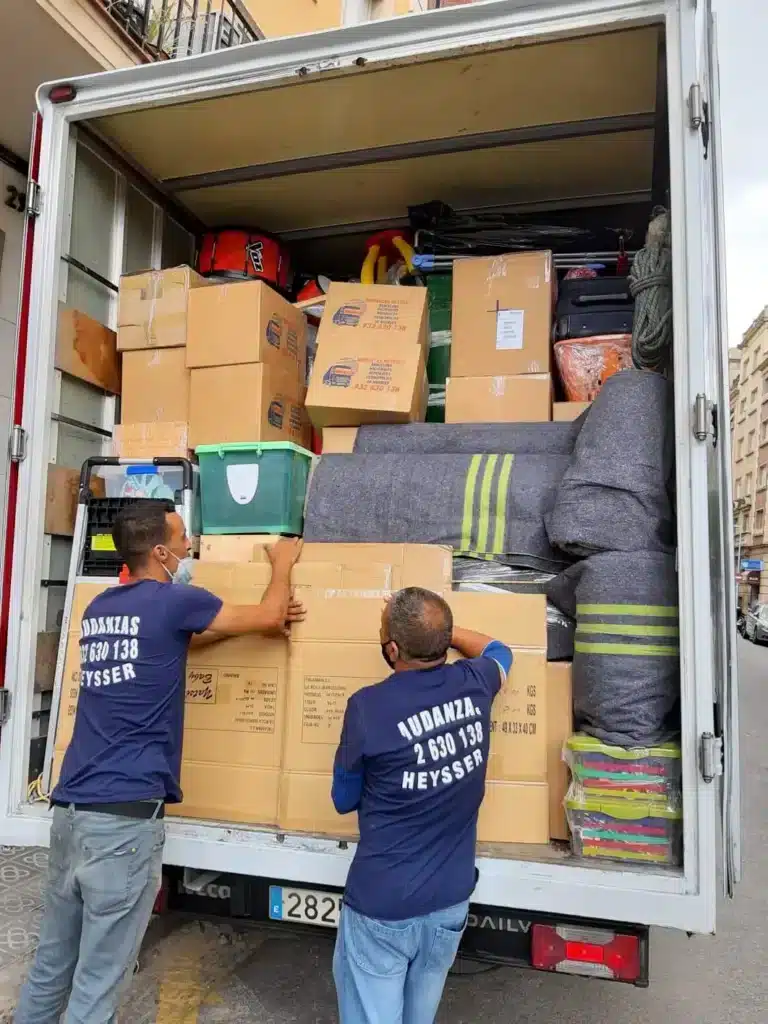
<point>276,412</point>
<point>350,314</point>
<point>340,374</point>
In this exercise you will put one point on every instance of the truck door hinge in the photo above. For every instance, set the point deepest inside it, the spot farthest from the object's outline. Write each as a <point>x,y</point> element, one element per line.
<point>711,757</point>
<point>698,111</point>
<point>5,706</point>
<point>17,445</point>
<point>34,198</point>
<point>704,419</point>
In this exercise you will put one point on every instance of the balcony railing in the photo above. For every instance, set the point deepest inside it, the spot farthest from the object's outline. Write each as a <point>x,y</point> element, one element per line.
<point>164,29</point>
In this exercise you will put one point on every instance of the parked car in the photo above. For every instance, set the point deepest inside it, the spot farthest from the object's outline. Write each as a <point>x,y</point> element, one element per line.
<point>756,624</point>
<point>740,622</point>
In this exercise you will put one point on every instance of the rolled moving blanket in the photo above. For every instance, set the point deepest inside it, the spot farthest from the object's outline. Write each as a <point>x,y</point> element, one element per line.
<point>616,493</point>
<point>480,505</point>
<point>626,662</point>
<point>468,438</point>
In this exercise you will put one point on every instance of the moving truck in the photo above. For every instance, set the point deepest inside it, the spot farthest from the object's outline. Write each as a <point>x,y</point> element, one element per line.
<point>583,112</point>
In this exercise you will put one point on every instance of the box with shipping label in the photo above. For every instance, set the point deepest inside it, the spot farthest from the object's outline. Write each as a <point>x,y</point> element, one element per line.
<point>323,676</point>
<point>514,812</point>
<point>381,314</point>
<point>502,315</point>
<point>150,440</point>
<point>367,380</point>
<point>155,386</point>
<point>152,308</point>
<point>250,402</point>
<point>245,322</point>
<point>518,751</point>
<point>339,440</point>
<point>306,806</point>
<point>567,411</point>
<point>559,728</point>
<point>525,398</point>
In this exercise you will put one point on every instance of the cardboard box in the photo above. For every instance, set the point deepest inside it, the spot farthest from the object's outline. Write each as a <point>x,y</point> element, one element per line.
<point>359,380</point>
<point>155,386</point>
<point>339,440</point>
<point>232,547</point>
<point>245,322</point>
<point>519,750</point>
<point>566,411</point>
<point>147,440</point>
<point>250,402</point>
<point>61,499</point>
<point>502,315</point>
<point>87,349</point>
<point>228,793</point>
<point>559,728</point>
<point>380,314</point>
<point>152,308</point>
<point>520,399</point>
<point>514,812</point>
<point>306,806</point>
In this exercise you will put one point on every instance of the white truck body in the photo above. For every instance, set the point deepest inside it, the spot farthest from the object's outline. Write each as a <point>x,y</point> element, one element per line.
<point>684,900</point>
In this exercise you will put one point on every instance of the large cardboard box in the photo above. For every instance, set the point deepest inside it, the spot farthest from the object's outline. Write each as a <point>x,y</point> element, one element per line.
<point>249,402</point>
<point>518,751</point>
<point>155,386</point>
<point>379,313</point>
<point>147,440</point>
<point>502,315</point>
<point>514,812</point>
<point>152,308</point>
<point>233,547</point>
<point>367,380</point>
<point>245,322</point>
<point>559,728</point>
<point>525,398</point>
<point>566,411</point>
<point>306,806</point>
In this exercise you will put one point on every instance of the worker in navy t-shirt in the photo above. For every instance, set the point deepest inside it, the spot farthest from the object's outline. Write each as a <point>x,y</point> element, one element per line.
<point>124,760</point>
<point>412,762</point>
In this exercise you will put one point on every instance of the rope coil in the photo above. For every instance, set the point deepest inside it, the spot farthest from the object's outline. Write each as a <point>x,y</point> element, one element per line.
<point>650,282</point>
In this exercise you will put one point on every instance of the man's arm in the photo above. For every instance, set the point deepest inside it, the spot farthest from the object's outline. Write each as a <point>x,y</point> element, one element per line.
<point>477,645</point>
<point>347,787</point>
<point>276,607</point>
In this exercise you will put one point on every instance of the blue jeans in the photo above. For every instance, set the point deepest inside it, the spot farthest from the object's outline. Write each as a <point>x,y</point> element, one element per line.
<point>393,972</point>
<point>103,877</point>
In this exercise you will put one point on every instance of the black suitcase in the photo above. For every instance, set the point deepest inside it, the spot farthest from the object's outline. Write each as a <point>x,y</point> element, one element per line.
<point>593,306</point>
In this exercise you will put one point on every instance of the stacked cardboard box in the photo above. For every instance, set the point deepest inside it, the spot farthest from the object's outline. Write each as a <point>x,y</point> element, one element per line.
<point>370,365</point>
<point>247,353</point>
<point>152,337</point>
<point>502,335</point>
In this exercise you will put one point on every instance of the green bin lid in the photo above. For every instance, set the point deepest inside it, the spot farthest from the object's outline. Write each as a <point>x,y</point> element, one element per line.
<point>583,744</point>
<point>252,446</point>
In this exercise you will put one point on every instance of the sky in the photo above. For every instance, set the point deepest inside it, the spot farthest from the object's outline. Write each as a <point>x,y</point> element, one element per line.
<point>743,46</point>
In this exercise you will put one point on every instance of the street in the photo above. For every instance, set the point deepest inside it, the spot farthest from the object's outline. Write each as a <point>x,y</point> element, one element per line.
<point>205,974</point>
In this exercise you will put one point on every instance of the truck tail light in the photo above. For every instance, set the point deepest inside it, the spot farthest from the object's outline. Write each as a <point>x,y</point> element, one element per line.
<point>592,952</point>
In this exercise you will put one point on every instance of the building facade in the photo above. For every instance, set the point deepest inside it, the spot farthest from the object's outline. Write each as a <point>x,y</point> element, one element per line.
<point>749,425</point>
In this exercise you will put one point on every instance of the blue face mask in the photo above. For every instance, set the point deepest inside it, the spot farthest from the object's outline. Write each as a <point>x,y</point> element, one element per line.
<point>184,569</point>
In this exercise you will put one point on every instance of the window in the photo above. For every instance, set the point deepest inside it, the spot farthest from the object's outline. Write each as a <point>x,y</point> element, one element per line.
<point>740,448</point>
<point>762,479</point>
<point>744,368</point>
<point>753,397</point>
<point>748,485</point>
<point>743,408</point>
<point>737,489</point>
<point>759,516</point>
<point>765,385</point>
<point>745,523</point>
<point>750,442</point>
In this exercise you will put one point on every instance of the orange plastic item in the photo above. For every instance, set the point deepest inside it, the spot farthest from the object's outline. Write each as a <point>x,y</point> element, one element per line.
<point>585,364</point>
<point>125,575</point>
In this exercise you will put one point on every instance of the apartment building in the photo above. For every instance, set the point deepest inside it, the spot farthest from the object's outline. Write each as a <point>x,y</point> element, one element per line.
<point>749,424</point>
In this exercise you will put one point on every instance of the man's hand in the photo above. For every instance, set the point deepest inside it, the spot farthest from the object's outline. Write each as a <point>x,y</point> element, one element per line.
<point>285,554</point>
<point>296,611</point>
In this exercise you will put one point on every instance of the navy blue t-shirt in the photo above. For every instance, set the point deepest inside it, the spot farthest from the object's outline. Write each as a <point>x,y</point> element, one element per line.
<point>128,730</point>
<point>417,744</point>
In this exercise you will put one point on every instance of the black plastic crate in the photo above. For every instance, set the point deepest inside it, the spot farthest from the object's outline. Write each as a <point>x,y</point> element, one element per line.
<point>99,555</point>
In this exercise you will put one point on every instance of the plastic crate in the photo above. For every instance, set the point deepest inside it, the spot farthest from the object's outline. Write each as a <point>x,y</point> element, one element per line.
<point>646,773</point>
<point>254,487</point>
<point>628,831</point>
<point>99,555</point>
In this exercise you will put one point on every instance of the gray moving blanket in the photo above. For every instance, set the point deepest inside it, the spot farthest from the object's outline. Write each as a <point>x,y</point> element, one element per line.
<point>480,505</point>
<point>626,662</point>
<point>616,494</point>
<point>468,438</point>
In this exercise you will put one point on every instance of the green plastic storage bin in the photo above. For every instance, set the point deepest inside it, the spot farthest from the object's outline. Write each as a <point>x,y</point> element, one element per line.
<point>253,487</point>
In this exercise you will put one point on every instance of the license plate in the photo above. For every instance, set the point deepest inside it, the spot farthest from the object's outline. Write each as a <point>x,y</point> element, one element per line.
<point>304,906</point>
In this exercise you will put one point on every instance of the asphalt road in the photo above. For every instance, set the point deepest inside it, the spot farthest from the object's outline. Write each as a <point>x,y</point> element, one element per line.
<point>205,974</point>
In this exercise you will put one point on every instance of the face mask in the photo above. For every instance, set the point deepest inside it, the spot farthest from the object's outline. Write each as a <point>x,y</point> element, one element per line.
<point>184,569</point>
<point>386,656</point>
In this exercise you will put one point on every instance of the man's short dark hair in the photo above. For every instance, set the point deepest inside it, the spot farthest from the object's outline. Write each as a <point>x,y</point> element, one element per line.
<point>421,624</point>
<point>138,528</point>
